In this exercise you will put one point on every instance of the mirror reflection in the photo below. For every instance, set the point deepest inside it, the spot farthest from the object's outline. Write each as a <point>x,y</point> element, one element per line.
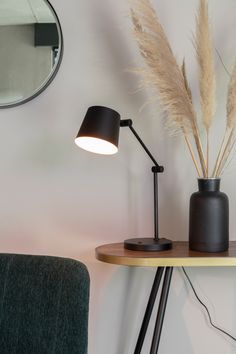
<point>30,49</point>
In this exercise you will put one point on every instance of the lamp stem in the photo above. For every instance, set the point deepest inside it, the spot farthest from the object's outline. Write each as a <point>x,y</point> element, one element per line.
<point>156,221</point>
<point>155,243</point>
<point>155,169</point>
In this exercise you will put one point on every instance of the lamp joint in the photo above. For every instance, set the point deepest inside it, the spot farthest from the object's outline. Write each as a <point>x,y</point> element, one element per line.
<point>126,122</point>
<point>157,169</point>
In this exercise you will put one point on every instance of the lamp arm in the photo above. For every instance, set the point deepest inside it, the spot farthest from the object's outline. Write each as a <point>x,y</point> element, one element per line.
<point>129,123</point>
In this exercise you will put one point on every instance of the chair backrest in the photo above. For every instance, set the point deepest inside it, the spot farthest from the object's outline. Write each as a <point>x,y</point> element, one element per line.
<point>43,305</point>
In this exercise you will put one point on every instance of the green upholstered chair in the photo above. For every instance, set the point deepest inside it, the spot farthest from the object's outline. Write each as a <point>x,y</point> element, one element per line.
<point>43,305</point>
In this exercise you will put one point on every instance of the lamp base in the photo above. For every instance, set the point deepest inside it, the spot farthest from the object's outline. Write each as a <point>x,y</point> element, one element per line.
<point>148,244</point>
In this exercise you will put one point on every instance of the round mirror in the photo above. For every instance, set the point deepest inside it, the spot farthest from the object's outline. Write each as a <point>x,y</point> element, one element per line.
<point>31,48</point>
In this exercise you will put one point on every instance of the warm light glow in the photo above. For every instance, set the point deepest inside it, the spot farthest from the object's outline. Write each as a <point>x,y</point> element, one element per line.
<point>96,145</point>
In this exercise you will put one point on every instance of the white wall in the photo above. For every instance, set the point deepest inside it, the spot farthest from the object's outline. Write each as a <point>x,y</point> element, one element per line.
<point>58,200</point>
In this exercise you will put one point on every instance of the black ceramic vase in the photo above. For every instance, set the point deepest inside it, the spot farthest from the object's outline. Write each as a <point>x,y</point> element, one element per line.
<point>209,217</point>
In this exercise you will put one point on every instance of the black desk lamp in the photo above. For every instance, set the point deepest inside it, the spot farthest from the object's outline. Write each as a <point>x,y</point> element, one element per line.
<point>99,133</point>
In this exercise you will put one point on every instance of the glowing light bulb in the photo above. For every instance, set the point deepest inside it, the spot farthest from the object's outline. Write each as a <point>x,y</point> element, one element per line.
<point>98,146</point>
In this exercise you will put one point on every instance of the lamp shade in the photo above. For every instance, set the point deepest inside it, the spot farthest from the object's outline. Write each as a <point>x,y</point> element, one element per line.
<point>99,131</point>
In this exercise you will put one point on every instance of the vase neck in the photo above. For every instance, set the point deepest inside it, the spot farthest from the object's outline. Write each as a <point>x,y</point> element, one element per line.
<point>209,184</point>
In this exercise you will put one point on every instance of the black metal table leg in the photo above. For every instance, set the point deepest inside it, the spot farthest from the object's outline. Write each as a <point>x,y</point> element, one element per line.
<point>161,310</point>
<point>149,309</point>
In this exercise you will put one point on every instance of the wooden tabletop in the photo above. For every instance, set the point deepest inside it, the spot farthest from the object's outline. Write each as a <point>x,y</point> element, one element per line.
<point>178,256</point>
